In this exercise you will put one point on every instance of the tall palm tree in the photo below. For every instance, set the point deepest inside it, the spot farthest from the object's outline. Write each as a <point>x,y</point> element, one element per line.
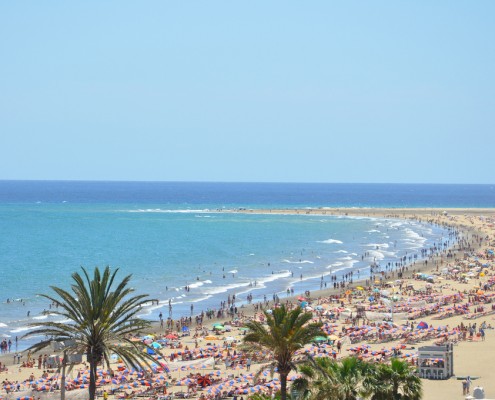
<point>396,381</point>
<point>102,317</point>
<point>285,333</point>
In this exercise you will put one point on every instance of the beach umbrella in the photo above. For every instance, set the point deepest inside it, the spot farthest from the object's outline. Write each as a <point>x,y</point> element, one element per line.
<point>156,345</point>
<point>204,381</point>
<point>171,336</point>
<point>218,328</point>
<point>359,288</point>
<point>422,325</point>
<point>320,339</point>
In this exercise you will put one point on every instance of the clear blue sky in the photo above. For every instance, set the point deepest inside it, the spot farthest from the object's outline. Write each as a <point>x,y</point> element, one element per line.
<point>279,91</point>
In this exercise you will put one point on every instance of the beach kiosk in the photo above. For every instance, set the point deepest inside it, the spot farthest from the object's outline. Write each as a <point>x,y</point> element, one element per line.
<point>436,362</point>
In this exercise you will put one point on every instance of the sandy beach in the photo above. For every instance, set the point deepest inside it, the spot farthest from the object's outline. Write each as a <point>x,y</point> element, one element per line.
<point>460,294</point>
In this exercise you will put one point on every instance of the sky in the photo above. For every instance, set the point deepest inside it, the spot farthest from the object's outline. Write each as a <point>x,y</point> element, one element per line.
<point>253,91</point>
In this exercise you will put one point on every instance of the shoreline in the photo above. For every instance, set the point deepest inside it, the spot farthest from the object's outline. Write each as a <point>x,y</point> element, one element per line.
<point>410,268</point>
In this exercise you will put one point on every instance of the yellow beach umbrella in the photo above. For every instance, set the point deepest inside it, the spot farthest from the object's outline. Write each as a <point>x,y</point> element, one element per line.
<point>359,288</point>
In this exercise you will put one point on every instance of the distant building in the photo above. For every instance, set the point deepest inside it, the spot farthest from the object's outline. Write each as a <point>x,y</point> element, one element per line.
<point>436,362</point>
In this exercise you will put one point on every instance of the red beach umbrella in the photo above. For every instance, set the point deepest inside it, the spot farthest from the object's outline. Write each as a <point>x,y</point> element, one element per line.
<point>204,381</point>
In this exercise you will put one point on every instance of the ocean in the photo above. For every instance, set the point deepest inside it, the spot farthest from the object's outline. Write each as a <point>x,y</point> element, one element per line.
<point>166,235</point>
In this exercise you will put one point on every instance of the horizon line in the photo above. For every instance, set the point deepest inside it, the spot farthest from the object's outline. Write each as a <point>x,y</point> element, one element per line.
<point>234,182</point>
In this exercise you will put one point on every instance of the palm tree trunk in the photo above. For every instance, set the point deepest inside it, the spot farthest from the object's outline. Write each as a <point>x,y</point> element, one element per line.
<point>283,386</point>
<point>62,381</point>
<point>92,376</point>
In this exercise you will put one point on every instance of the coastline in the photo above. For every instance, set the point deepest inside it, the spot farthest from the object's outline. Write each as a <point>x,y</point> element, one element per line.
<point>468,221</point>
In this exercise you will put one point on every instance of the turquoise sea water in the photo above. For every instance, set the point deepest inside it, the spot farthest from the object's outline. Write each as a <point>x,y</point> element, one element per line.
<point>166,236</point>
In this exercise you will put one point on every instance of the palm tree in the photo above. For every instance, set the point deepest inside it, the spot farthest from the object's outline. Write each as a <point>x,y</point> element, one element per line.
<point>102,318</point>
<point>396,381</point>
<point>325,378</point>
<point>286,332</point>
<point>317,381</point>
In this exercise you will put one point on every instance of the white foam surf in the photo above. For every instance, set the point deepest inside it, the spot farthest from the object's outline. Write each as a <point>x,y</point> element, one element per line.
<point>378,245</point>
<point>298,262</point>
<point>331,241</point>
